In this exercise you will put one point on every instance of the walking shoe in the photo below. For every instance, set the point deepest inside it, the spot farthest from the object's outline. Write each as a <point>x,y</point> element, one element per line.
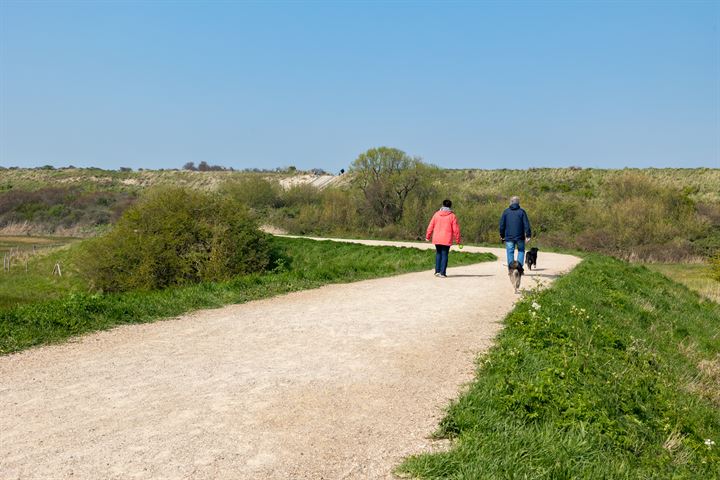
<point>437,274</point>
<point>442,276</point>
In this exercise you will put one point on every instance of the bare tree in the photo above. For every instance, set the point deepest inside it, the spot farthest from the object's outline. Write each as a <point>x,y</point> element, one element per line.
<point>386,177</point>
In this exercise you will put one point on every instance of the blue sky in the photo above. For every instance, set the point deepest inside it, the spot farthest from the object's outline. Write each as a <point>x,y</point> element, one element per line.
<point>313,84</point>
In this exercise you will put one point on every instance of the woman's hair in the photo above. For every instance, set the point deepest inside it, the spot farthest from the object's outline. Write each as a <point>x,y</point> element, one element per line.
<point>447,203</point>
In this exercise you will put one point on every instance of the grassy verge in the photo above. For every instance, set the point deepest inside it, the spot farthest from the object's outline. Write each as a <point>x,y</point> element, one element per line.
<point>20,286</point>
<point>695,275</point>
<point>311,265</point>
<point>614,372</point>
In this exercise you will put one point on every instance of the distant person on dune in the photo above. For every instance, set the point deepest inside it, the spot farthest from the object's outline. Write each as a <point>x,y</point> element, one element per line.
<point>443,229</point>
<point>514,231</point>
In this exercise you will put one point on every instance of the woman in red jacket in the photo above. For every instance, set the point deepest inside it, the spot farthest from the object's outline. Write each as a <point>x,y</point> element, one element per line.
<point>443,228</point>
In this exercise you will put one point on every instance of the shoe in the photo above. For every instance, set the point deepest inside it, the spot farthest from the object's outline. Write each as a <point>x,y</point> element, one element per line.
<point>437,274</point>
<point>442,276</point>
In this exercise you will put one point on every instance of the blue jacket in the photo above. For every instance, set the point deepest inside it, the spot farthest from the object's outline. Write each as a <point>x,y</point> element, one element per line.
<point>514,224</point>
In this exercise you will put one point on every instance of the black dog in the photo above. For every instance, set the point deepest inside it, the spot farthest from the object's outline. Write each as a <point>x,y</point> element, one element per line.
<point>531,258</point>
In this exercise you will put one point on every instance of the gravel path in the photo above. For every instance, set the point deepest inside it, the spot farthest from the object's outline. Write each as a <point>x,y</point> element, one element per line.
<point>338,382</point>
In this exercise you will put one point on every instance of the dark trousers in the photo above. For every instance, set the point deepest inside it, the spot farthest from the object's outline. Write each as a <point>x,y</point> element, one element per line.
<point>441,258</point>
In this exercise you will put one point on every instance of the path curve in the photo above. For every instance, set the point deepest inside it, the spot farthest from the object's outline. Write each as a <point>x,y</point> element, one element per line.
<point>338,382</point>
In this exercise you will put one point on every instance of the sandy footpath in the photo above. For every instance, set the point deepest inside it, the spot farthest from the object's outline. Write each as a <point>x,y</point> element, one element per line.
<point>338,382</point>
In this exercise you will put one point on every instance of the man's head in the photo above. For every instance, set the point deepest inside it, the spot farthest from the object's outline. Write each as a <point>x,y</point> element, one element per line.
<point>447,203</point>
<point>515,200</point>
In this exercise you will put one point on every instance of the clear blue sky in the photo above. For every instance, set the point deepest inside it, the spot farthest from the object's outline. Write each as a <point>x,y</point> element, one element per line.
<point>313,84</point>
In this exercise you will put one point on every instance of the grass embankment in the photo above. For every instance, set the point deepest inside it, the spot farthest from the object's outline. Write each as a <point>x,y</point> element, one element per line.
<point>614,372</point>
<point>312,264</point>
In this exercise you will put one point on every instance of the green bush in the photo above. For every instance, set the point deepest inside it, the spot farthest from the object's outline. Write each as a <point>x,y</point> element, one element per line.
<point>301,194</point>
<point>636,218</point>
<point>175,236</point>
<point>254,191</point>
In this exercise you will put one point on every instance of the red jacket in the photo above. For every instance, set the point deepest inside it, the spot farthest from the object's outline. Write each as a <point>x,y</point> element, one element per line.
<point>444,228</point>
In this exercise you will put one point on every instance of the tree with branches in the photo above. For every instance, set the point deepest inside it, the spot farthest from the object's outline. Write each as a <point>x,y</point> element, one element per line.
<point>387,176</point>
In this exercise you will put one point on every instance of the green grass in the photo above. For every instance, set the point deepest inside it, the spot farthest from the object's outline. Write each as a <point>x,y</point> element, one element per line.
<point>19,286</point>
<point>614,373</point>
<point>25,243</point>
<point>695,275</point>
<point>75,311</point>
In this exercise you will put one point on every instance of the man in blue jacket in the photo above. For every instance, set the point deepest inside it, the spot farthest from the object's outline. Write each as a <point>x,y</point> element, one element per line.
<point>514,230</point>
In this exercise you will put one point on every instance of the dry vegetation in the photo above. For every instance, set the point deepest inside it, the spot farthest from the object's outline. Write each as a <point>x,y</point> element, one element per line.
<point>95,179</point>
<point>696,276</point>
<point>664,215</point>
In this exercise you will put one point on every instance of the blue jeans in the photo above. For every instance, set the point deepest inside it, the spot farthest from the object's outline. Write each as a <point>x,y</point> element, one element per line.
<point>510,247</point>
<point>441,258</point>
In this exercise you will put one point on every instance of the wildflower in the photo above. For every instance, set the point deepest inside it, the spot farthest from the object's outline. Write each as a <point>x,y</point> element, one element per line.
<point>709,443</point>
<point>536,306</point>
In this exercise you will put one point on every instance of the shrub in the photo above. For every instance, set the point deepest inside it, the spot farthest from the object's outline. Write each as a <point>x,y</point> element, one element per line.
<point>55,207</point>
<point>301,194</point>
<point>254,191</point>
<point>715,266</point>
<point>175,236</point>
<point>337,213</point>
<point>639,219</point>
